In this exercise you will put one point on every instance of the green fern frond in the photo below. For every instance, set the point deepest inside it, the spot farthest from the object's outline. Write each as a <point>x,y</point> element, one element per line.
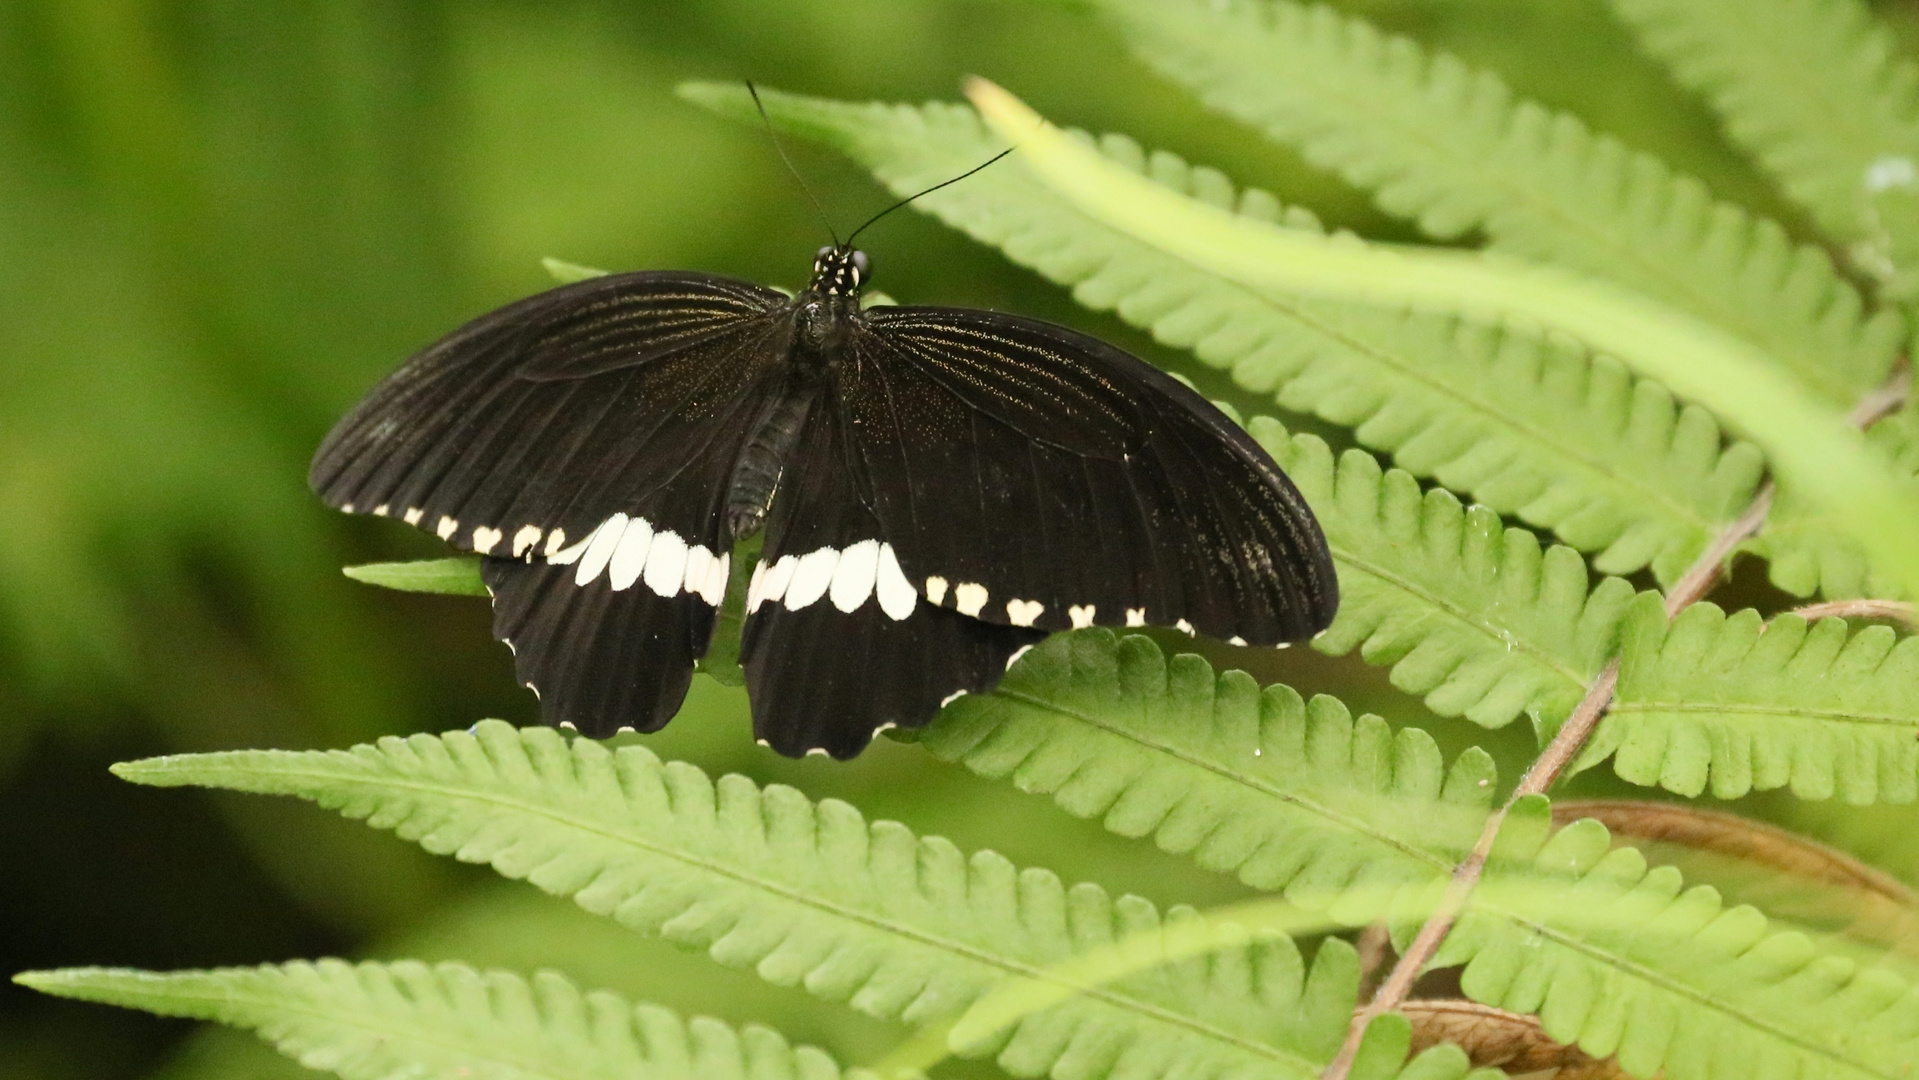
<point>1805,549</point>
<point>1289,796</point>
<point>409,1021</point>
<point>1451,147</point>
<point>1625,961</point>
<point>1476,616</point>
<point>1740,705</point>
<point>1816,90</point>
<point>898,926</point>
<point>1537,429</point>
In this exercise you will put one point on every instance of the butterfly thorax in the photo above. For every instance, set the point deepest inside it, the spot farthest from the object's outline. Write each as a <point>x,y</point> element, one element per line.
<point>823,315</point>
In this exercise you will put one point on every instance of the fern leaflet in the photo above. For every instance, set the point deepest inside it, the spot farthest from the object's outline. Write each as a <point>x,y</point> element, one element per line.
<point>1744,705</point>
<point>1610,954</point>
<point>1807,552</point>
<point>1473,615</point>
<point>1449,146</point>
<point>1819,93</point>
<point>1625,961</point>
<point>900,927</point>
<point>409,1021</point>
<point>1540,430</point>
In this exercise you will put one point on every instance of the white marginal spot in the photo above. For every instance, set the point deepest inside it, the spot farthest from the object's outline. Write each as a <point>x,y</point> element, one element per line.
<point>554,541</point>
<point>447,528</point>
<point>969,598</point>
<point>524,540</point>
<point>1082,615</point>
<point>778,577</point>
<point>413,515</point>
<point>485,539</point>
<point>1136,616</point>
<point>606,540</point>
<point>1186,628</point>
<point>1015,658</point>
<point>346,508</point>
<point>1890,172</point>
<point>1236,640</point>
<point>380,510</point>
<point>812,576</point>
<point>666,563</point>
<point>570,555</point>
<point>712,587</point>
<point>936,590</point>
<point>896,594</point>
<point>817,751</point>
<point>951,698</point>
<point>1284,645</point>
<point>630,557</point>
<point>536,691</point>
<point>854,575</point>
<point>1023,612</point>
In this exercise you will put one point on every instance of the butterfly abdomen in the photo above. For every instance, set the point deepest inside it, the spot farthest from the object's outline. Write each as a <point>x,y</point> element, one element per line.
<point>756,473</point>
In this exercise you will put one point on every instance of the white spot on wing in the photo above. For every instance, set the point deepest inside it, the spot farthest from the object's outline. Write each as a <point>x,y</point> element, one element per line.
<point>485,539</point>
<point>897,597</point>
<point>570,555</point>
<point>969,598</point>
<point>753,585</point>
<point>630,557</point>
<point>524,540</point>
<point>413,515</point>
<point>606,539</point>
<point>712,586</point>
<point>854,575</point>
<point>1082,615</point>
<point>666,563</point>
<point>936,590</point>
<point>346,508</point>
<point>554,541</point>
<point>1136,616</point>
<point>1015,658</point>
<point>1186,628</point>
<point>951,698</point>
<point>778,577</point>
<point>380,510</point>
<point>1023,612</point>
<point>811,577</point>
<point>447,528</point>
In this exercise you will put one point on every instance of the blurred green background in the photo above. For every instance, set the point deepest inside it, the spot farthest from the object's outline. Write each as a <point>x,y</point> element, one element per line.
<point>221,221</point>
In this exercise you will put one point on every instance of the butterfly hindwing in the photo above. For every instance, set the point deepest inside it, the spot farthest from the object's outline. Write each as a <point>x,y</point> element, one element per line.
<point>1122,498</point>
<point>837,643</point>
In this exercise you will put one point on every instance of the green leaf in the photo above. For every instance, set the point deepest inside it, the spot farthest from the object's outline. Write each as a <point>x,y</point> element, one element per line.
<point>448,1022</point>
<point>1740,705</point>
<point>1535,428</point>
<point>1624,962</point>
<point>1807,551</point>
<point>1476,616</point>
<point>1292,797</point>
<point>1820,93</point>
<point>900,927</point>
<point>567,273</point>
<point>1451,147</point>
<point>457,576</point>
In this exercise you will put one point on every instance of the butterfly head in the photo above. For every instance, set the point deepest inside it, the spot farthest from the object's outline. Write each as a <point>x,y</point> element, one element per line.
<point>838,270</point>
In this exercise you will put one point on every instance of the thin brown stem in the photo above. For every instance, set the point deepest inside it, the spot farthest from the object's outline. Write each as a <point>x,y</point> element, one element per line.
<point>1892,610</point>
<point>1699,579</point>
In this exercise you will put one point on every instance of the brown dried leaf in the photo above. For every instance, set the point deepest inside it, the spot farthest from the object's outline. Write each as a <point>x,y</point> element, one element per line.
<point>1499,1039</point>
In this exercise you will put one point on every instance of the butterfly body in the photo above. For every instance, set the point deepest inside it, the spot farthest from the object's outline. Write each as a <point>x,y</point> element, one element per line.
<point>937,489</point>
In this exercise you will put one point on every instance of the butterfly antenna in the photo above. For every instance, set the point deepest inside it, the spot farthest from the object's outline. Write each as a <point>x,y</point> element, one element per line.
<point>781,151</point>
<point>928,191</point>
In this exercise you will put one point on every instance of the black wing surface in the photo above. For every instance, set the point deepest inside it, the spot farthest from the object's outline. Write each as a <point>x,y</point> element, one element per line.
<point>581,439</point>
<point>838,644</point>
<point>1030,475</point>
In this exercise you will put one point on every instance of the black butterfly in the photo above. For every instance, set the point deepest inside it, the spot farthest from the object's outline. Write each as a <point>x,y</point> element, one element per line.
<point>938,487</point>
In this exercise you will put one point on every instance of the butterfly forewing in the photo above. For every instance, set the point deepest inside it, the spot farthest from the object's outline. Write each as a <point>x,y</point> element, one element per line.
<point>1061,482</point>
<point>530,426</point>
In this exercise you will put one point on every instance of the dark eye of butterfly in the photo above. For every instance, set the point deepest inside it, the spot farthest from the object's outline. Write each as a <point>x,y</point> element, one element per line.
<point>938,489</point>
